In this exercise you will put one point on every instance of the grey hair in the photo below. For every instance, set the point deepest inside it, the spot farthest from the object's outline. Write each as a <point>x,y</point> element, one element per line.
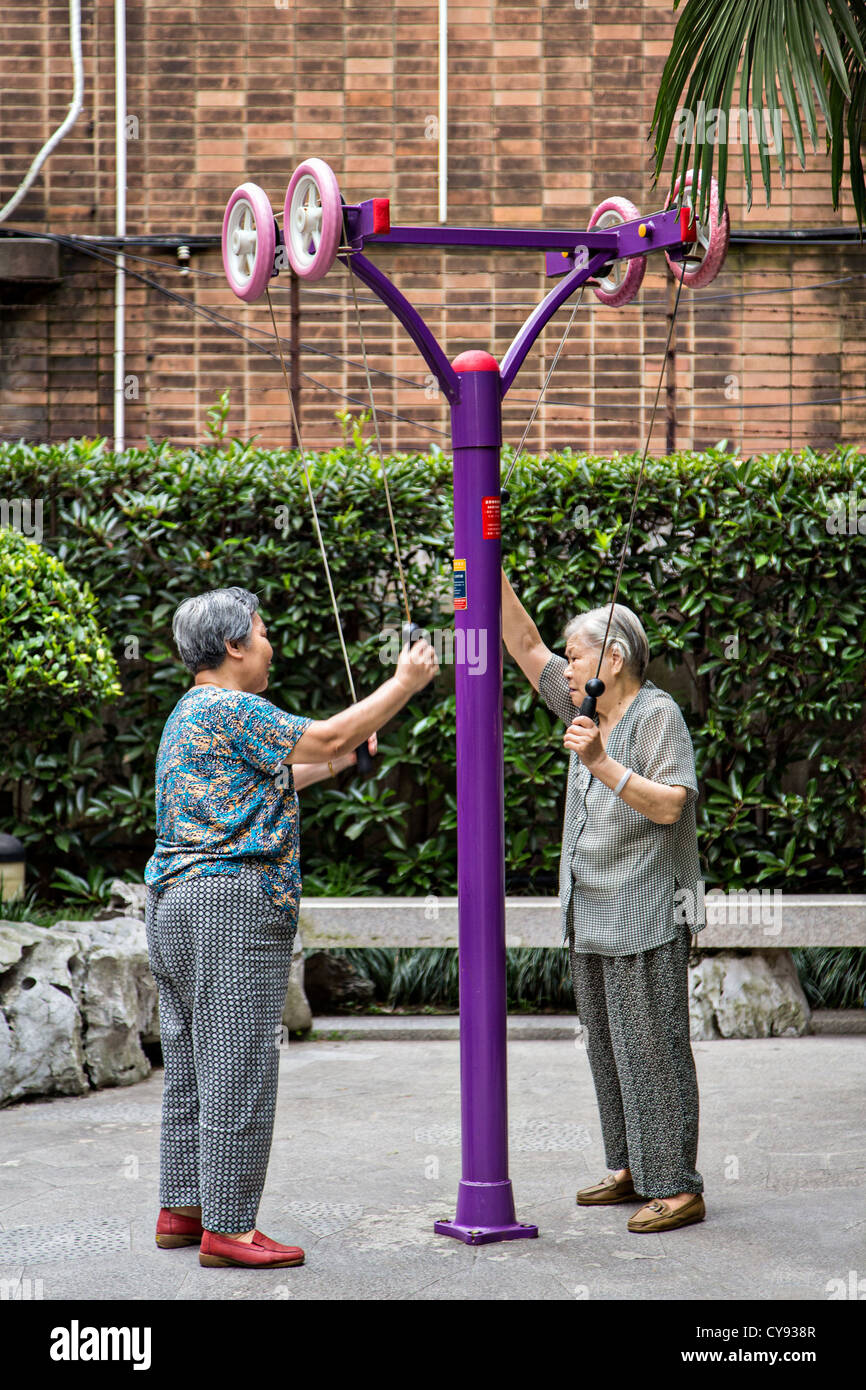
<point>202,625</point>
<point>626,634</point>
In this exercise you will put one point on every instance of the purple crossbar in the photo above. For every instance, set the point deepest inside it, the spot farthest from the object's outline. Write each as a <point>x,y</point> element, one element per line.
<point>661,232</point>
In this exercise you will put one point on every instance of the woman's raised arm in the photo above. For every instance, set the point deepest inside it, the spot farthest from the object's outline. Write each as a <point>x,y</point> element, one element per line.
<point>521,637</point>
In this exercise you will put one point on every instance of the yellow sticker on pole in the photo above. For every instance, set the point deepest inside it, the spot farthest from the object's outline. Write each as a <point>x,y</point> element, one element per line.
<point>459,568</point>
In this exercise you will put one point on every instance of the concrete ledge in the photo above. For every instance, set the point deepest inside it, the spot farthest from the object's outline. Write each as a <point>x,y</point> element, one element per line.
<point>760,921</point>
<point>446,1027</point>
<point>839,1022</point>
<point>30,259</point>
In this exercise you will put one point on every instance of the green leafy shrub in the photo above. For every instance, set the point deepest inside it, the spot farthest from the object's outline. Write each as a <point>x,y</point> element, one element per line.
<point>753,606</point>
<point>57,674</point>
<point>92,891</point>
<point>56,661</point>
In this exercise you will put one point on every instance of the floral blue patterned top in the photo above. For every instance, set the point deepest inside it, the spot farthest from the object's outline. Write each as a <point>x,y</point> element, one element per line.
<point>221,799</point>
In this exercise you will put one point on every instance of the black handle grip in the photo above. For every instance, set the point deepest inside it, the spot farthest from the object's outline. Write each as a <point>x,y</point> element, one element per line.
<point>412,633</point>
<point>365,759</point>
<point>594,688</point>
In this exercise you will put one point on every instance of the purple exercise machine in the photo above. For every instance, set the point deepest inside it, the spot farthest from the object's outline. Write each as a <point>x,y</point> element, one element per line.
<point>319,228</point>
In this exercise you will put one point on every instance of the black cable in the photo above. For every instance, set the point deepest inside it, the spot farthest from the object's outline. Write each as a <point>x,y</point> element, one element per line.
<point>228,325</point>
<point>223,318</point>
<point>206,241</point>
<point>85,245</point>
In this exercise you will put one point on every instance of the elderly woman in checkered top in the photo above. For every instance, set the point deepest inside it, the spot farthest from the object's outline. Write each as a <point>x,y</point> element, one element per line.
<point>631,893</point>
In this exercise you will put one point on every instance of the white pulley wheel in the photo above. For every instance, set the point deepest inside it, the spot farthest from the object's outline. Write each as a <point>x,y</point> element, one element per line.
<point>313,219</point>
<point>249,241</point>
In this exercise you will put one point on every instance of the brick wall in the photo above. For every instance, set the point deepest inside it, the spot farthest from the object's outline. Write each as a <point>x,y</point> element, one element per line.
<point>549,109</point>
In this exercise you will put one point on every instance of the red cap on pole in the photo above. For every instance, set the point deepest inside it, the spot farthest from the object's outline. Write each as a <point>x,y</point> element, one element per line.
<point>475,361</point>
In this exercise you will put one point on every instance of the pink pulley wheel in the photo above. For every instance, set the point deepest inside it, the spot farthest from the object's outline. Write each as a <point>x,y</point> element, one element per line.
<point>623,280</point>
<point>704,261</point>
<point>313,220</point>
<point>249,241</point>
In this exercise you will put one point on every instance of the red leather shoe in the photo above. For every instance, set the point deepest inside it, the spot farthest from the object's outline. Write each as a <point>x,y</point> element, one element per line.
<point>173,1229</point>
<point>259,1253</point>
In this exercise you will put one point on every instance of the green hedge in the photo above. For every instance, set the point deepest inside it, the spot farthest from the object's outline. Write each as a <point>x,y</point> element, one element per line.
<point>739,578</point>
<point>55,661</point>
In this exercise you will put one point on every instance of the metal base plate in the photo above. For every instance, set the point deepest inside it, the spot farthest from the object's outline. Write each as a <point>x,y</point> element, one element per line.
<point>484,1235</point>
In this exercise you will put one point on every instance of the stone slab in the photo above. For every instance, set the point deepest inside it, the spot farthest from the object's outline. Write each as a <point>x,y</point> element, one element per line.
<point>541,1027</point>
<point>735,921</point>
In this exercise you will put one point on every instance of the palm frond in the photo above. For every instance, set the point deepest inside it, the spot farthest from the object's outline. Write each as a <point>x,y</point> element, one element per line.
<point>805,57</point>
<point>850,114</point>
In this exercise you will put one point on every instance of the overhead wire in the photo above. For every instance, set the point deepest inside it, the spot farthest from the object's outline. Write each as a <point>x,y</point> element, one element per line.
<point>229,326</point>
<point>85,244</point>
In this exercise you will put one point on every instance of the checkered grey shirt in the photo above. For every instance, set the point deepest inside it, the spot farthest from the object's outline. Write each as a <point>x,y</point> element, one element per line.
<point>621,875</point>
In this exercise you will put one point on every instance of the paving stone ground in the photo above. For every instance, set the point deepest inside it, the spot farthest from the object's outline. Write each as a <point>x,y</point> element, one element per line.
<point>366,1157</point>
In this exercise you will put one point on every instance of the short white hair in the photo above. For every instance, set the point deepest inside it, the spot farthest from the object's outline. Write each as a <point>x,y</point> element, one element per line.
<point>626,635</point>
<point>202,625</point>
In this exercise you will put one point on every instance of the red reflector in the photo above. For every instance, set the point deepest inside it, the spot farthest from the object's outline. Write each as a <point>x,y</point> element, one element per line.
<point>688,226</point>
<point>381,214</point>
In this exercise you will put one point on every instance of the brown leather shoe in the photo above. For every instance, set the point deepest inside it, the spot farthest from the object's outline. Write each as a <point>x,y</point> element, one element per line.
<point>259,1253</point>
<point>658,1216</point>
<point>611,1189</point>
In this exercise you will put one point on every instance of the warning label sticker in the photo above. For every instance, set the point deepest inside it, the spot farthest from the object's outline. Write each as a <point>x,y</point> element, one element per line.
<point>491,518</point>
<point>459,568</point>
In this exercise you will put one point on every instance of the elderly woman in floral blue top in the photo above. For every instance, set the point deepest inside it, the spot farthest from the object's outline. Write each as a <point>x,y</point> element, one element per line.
<point>223,893</point>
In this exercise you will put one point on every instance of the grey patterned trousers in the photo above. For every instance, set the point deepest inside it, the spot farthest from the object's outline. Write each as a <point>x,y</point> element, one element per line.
<point>635,1012</point>
<point>220,951</point>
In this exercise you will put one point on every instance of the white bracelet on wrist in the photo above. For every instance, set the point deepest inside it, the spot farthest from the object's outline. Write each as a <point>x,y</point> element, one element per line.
<point>622,781</point>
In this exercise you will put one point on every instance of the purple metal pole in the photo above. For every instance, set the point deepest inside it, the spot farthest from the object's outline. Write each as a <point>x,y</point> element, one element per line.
<point>485,1203</point>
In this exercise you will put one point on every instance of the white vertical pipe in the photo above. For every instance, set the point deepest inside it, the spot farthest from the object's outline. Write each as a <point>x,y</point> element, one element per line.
<point>120,216</point>
<point>71,116</point>
<point>443,110</point>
